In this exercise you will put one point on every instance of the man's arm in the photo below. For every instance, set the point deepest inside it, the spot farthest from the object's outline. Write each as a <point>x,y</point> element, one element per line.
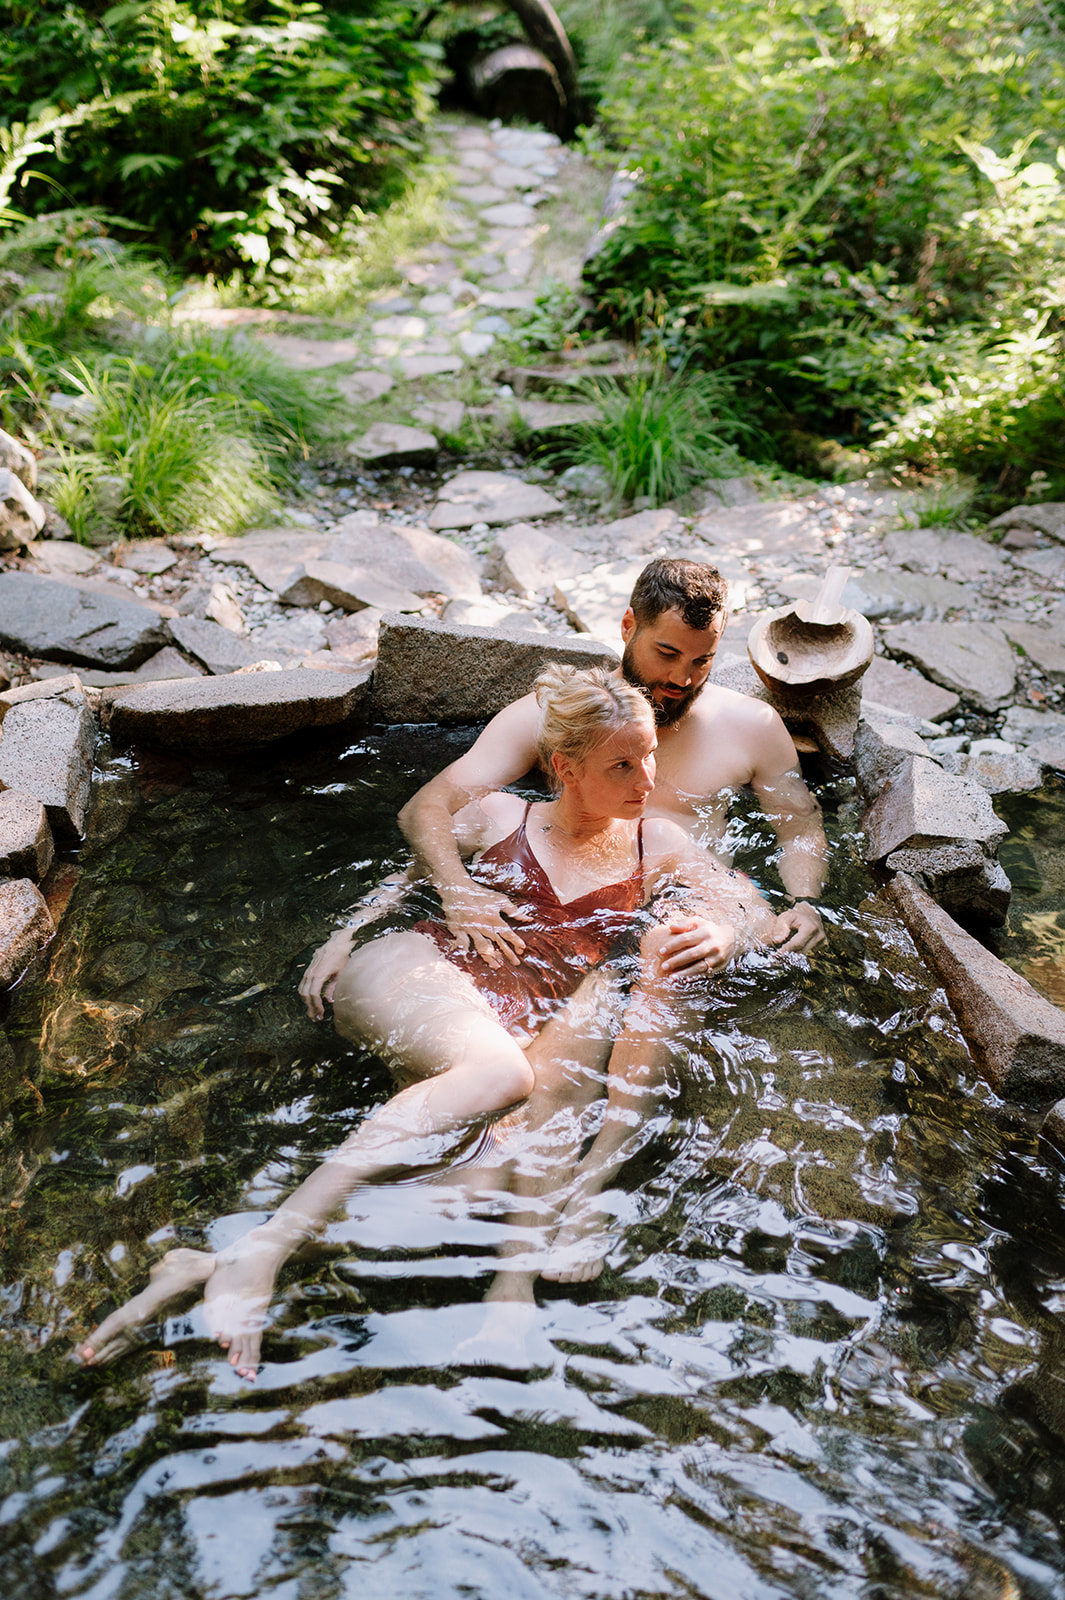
<point>504,752</point>
<point>795,817</point>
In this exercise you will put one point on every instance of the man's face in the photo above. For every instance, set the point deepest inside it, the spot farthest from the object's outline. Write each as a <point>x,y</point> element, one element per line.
<point>670,660</point>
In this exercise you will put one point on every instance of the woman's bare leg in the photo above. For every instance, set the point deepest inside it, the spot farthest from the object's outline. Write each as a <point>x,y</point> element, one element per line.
<point>399,996</point>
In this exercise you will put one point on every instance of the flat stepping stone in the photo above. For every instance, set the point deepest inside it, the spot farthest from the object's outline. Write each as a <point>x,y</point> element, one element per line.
<point>509,299</point>
<point>1048,518</point>
<point>959,556</point>
<point>428,366</point>
<point>550,416</point>
<point>271,555</point>
<point>476,344</point>
<point>148,556</point>
<point>1002,772</point>
<point>480,194</point>
<point>429,275</point>
<point>512,214</point>
<point>445,415</point>
<point>391,444</point>
<point>506,176</point>
<point>46,749</point>
<point>898,689</point>
<point>410,559</point>
<point>248,709</point>
<point>595,600</point>
<point>895,596</point>
<point>1042,646</point>
<point>61,557</point>
<point>400,327</point>
<point>529,561</point>
<point>311,355</point>
<point>1049,564</point>
<point>351,588</point>
<point>290,637</point>
<point>972,658</point>
<point>166,663</point>
<point>26,845</point>
<point>490,613</point>
<point>359,388</point>
<point>58,622</point>
<point>775,528</point>
<point>219,650</point>
<point>491,497</point>
<point>25,927</point>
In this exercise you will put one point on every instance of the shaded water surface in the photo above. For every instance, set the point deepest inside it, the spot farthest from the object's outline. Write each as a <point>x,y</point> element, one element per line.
<point>1033,940</point>
<point>823,1359</point>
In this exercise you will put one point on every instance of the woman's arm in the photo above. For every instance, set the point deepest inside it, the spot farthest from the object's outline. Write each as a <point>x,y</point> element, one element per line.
<point>330,959</point>
<point>721,916</point>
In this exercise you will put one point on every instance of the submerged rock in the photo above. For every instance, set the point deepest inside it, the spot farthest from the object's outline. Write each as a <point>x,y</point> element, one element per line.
<point>1016,1035</point>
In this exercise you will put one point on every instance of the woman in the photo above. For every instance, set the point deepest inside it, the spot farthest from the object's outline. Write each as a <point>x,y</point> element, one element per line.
<point>461,1037</point>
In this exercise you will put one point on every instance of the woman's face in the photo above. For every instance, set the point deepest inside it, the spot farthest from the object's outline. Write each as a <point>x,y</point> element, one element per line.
<point>617,776</point>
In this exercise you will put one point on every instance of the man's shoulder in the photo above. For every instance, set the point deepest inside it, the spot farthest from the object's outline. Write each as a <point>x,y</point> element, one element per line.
<point>719,705</point>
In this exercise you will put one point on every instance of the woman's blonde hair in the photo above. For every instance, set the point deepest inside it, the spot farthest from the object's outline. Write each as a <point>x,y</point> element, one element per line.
<point>579,708</point>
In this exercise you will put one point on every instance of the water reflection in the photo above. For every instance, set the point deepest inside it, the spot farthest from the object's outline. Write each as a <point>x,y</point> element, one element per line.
<point>825,1356</point>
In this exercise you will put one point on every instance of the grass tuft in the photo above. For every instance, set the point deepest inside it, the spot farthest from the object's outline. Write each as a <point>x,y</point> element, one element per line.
<point>661,433</point>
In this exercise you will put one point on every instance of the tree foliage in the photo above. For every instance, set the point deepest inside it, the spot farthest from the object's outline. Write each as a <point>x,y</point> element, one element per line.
<point>243,123</point>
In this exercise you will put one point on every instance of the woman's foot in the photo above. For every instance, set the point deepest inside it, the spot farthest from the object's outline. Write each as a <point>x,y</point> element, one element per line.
<point>179,1272</point>
<point>578,1250</point>
<point>238,1295</point>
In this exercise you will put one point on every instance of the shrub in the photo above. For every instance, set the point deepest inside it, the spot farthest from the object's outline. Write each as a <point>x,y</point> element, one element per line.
<point>249,124</point>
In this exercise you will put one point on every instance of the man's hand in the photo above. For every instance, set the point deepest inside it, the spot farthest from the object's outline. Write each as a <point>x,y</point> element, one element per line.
<point>479,917</point>
<point>327,963</point>
<point>696,944</point>
<point>798,929</point>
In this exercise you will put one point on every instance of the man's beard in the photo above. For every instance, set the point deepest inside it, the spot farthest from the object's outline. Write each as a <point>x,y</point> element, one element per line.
<point>667,712</point>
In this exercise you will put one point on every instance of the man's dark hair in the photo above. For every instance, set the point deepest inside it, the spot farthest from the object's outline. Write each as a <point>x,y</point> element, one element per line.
<point>696,590</point>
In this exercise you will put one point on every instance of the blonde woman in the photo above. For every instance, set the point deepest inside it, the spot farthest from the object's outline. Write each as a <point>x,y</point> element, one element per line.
<point>463,1035</point>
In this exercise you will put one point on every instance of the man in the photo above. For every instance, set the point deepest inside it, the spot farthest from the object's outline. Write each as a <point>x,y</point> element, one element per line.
<point>711,741</point>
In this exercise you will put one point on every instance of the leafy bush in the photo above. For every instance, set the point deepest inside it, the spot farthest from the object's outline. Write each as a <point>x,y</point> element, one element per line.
<point>821,207</point>
<point>240,129</point>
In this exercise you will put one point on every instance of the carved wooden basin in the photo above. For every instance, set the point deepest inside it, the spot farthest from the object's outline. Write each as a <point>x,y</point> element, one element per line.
<point>813,646</point>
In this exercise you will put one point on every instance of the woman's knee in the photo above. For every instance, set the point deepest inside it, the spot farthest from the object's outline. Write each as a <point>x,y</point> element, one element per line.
<point>513,1083</point>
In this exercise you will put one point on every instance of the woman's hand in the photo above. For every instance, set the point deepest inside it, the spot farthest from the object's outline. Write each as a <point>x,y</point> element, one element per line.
<point>483,917</point>
<point>319,980</point>
<point>696,945</point>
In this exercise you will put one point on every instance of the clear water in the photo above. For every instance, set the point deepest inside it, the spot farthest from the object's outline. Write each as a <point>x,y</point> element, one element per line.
<point>1033,940</point>
<point>824,1360</point>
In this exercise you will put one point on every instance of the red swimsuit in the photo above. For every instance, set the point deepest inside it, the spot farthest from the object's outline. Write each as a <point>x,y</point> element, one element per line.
<point>561,941</point>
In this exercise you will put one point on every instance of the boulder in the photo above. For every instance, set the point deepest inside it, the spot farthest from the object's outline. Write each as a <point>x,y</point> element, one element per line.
<point>246,709</point>
<point>972,658</point>
<point>44,689</point>
<point>887,686</point>
<point>391,444</point>
<point>26,846</point>
<point>881,748</point>
<point>431,671</point>
<point>1042,646</point>
<point>220,650</point>
<point>59,622</point>
<point>15,456</point>
<point>21,516</point>
<point>491,497</point>
<point>1015,1035</point>
<point>46,749</point>
<point>351,588</point>
<point>528,561</point>
<point>409,559</point>
<point>921,803</point>
<point>25,927</point>
<point>355,636</point>
<point>968,885</point>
